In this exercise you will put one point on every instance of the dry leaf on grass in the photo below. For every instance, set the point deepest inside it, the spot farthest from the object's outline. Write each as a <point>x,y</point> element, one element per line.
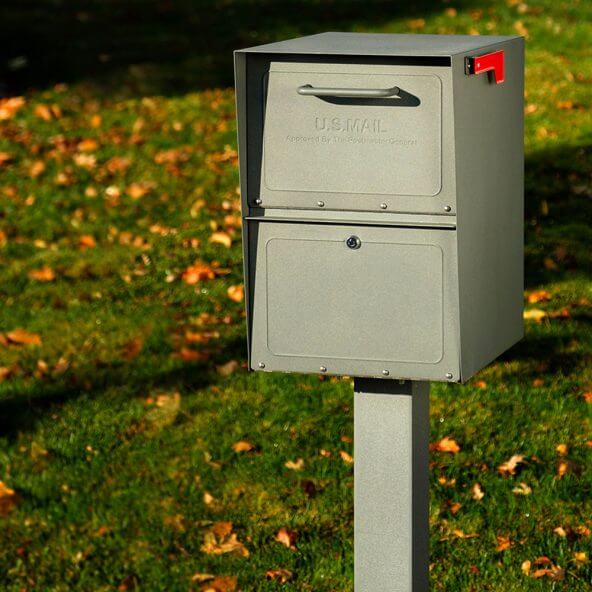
<point>236,293</point>
<point>287,537</point>
<point>132,348</point>
<point>534,314</point>
<point>227,369</point>
<point>10,106</point>
<point>8,499</point>
<point>522,489</point>
<point>87,241</point>
<point>243,446</point>
<point>296,465</point>
<point>561,449</point>
<point>220,584</point>
<point>279,575</point>
<point>198,272</point>
<point>43,274</point>
<point>503,543</point>
<point>165,410</point>
<point>447,445</point>
<point>348,459</point>
<point>477,492</point>
<point>538,296</point>
<point>220,540</point>
<point>511,466</point>
<point>221,238</point>
<point>23,337</point>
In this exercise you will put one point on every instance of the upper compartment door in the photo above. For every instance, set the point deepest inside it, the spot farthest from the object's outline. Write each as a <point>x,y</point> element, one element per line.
<point>356,137</point>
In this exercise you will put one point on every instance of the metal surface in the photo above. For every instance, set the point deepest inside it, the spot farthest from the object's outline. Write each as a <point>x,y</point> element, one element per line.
<point>349,93</point>
<point>372,44</point>
<point>391,530</point>
<point>388,305</point>
<point>338,149</point>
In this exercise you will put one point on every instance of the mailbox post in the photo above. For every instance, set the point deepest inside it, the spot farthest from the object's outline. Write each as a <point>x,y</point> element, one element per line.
<point>382,199</point>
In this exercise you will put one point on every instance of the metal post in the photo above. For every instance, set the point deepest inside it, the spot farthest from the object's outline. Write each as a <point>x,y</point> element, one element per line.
<point>391,528</point>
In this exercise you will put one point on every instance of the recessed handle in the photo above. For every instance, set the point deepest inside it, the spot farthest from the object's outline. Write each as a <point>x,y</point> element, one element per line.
<point>351,93</point>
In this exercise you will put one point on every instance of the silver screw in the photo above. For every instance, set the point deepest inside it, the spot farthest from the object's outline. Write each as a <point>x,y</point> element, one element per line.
<point>321,204</point>
<point>447,209</point>
<point>383,206</point>
<point>449,375</point>
<point>385,372</point>
<point>323,369</point>
<point>261,365</point>
<point>258,201</point>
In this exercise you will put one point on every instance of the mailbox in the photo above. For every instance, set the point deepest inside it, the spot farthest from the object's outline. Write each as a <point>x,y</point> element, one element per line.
<point>382,196</point>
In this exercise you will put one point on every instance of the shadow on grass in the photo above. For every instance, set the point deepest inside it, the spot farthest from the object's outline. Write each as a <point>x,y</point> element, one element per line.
<point>174,45</point>
<point>20,411</point>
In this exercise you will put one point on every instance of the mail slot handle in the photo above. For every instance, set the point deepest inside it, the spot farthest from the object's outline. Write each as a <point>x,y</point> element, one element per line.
<point>353,93</point>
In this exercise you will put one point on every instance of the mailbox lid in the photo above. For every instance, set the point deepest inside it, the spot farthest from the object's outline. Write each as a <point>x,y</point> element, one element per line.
<point>387,305</point>
<point>355,153</point>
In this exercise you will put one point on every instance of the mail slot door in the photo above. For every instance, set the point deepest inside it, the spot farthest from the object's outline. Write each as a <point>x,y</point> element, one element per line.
<point>357,137</point>
<point>357,300</point>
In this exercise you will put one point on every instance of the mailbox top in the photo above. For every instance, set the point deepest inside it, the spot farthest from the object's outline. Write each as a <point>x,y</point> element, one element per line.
<point>377,44</point>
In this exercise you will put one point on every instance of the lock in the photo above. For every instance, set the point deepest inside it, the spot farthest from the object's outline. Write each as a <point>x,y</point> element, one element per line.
<point>353,242</point>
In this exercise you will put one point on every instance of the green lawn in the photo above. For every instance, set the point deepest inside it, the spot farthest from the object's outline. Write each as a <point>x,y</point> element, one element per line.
<point>123,400</point>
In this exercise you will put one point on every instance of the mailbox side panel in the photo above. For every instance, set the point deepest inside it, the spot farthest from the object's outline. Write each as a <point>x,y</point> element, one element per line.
<point>489,132</point>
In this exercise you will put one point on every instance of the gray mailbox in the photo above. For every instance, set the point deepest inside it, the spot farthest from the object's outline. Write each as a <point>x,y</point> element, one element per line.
<point>382,195</point>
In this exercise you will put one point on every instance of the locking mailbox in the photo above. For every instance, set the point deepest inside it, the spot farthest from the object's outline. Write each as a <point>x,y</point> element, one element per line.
<point>382,198</point>
<point>382,195</point>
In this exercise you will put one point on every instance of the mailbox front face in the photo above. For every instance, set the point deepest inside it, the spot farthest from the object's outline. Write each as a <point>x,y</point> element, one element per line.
<point>356,137</point>
<point>368,301</point>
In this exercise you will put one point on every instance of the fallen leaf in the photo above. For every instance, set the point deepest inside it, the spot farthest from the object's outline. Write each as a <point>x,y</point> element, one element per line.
<point>511,466</point>
<point>555,574</point>
<point>587,397</point>
<point>8,499</point>
<point>287,537</point>
<point>227,369</point>
<point>86,241</point>
<point>198,272</point>
<point>220,540</point>
<point>346,458</point>
<point>5,157</point>
<point>208,499</point>
<point>132,348</point>
<point>43,112</point>
<point>165,411</point>
<point>522,489</point>
<point>583,531</point>
<point>459,534</point>
<point>454,508</point>
<point>477,491</point>
<point>23,337</point>
<point>503,543</point>
<point>279,575</point>
<point>202,577</point>
<point>538,296</point>
<point>191,355</point>
<point>581,557</point>
<point>481,384</point>
<point>242,446</point>
<point>525,567</point>
<point>220,584</point>
<point>415,24</point>
<point>36,168</point>
<point>295,465</point>
<point>10,106</point>
<point>534,314</point>
<point>222,238</point>
<point>88,145</point>
<point>4,373</point>
<point>562,469</point>
<point>137,190</point>
<point>560,531</point>
<point>561,449</point>
<point>447,444</point>
<point>43,274</point>
<point>236,293</point>
<point>565,105</point>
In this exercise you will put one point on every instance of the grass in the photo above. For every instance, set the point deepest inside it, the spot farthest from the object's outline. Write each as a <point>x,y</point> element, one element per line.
<point>117,430</point>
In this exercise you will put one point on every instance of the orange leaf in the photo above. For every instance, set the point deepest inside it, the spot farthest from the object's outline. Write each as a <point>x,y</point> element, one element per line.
<point>36,168</point>
<point>280,575</point>
<point>43,112</point>
<point>22,337</point>
<point>478,493</point>
<point>87,241</point>
<point>9,107</point>
<point>242,446</point>
<point>346,458</point>
<point>43,274</point>
<point>222,238</point>
<point>511,466</point>
<point>137,190</point>
<point>220,584</point>
<point>538,296</point>
<point>295,465</point>
<point>447,445</point>
<point>198,272</point>
<point>286,537</point>
<point>236,293</point>
<point>561,449</point>
<point>503,543</point>
<point>88,145</point>
<point>8,499</point>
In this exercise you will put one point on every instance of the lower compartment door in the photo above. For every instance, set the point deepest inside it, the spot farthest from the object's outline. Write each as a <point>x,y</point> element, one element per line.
<point>355,300</point>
